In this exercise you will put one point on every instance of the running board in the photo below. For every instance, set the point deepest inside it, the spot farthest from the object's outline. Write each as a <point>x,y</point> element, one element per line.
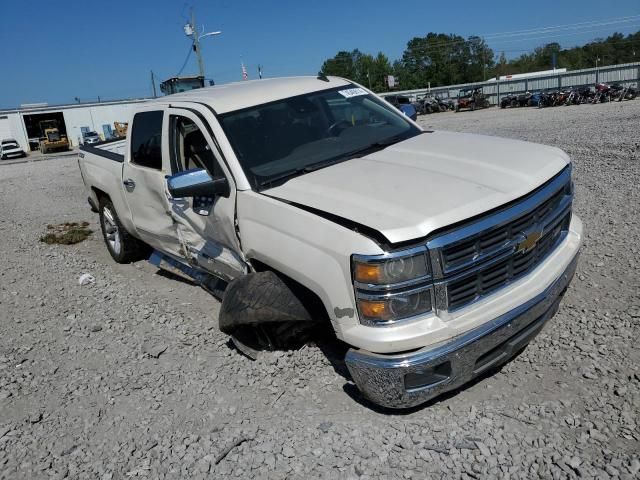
<point>214,285</point>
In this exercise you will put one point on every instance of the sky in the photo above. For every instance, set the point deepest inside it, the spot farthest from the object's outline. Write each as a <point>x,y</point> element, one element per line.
<point>108,49</point>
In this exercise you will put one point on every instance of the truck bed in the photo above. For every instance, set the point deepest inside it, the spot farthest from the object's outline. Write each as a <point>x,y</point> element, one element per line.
<point>101,169</point>
<point>111,149</point>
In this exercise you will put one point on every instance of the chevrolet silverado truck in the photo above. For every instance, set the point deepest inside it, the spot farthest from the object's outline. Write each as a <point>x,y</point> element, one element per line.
<point>435,256</point>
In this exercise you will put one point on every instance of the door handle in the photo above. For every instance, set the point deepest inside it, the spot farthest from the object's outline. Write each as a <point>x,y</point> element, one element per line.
<point>129,184</point>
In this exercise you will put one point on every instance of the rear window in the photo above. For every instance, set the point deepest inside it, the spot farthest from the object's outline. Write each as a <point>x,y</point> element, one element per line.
<point>146,139</point>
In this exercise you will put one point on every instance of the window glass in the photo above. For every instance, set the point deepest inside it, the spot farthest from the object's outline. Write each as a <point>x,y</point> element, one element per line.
<point>299,134</point>
<point>190,147</point>
<point>146,139</point>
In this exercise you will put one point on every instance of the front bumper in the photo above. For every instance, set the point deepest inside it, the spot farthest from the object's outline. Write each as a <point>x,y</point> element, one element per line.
<point>409,379</point>
<point>14,154</point>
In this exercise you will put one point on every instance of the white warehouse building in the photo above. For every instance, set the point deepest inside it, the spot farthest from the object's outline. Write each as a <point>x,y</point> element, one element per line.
<point>23,123</point>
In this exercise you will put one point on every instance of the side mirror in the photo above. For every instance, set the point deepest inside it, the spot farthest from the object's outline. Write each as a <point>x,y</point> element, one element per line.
<point>197,183</point>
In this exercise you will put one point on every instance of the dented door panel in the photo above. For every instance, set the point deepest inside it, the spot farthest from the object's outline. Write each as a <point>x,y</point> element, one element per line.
<point>208,241</point>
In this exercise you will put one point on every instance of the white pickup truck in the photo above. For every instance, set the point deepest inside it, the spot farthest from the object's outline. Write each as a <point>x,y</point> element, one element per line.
<point>434,255</point>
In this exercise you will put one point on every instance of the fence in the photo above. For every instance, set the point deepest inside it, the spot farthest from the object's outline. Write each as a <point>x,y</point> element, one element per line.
<point>626,74</point>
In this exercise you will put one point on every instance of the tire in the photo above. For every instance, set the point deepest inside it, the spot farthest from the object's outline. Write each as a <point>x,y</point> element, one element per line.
<point>264,312</point>
<point>122,247</point>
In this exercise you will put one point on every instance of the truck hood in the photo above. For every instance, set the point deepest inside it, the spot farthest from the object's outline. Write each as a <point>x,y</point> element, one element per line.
<point>425,183</point>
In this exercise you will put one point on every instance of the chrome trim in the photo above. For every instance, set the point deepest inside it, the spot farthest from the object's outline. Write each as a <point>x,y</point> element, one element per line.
<point>387,255</point>
<point>187,179</point>
<point>390,295</point>
<point>496,220</point>
<point>393,286</point>
<point>445,311</point>
<point>504,255</point>
<point>381,378</point>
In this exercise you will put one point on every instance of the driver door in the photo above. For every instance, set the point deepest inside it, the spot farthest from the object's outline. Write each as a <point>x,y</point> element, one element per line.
<point>205,225</point>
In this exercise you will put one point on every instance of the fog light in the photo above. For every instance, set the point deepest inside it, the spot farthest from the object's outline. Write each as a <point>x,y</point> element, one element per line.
<point>427,377</point>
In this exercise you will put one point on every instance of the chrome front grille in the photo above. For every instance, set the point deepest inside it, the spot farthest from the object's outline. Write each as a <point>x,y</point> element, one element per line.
<point>497,275</point>
<point>459,255</point>
<point>479,258</point>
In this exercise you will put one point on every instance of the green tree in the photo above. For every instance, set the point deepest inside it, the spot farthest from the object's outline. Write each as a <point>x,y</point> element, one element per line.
<point>446,59</point>
<point>360,67</point>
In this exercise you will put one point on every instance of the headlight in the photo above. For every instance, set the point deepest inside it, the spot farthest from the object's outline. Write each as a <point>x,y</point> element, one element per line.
<point>392,287</point>
<point>388,309</point>
<point>391,270</point>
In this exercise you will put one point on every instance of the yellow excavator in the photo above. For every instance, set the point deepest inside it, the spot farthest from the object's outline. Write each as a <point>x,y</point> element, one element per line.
<point>50,137</point>
<point>121,128</point>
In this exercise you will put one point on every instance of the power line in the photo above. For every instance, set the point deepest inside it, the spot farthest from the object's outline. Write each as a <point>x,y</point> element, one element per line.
<point>185,61</point>
<point>570,26</point>
<point>542,30</point>
<point>446,43</point>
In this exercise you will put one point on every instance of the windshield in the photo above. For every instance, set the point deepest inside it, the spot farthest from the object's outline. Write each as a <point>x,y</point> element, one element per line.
<point>9,144</point>
<point>296,135</point>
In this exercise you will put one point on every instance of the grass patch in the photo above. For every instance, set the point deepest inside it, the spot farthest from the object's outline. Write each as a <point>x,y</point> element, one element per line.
<point>67,233</point>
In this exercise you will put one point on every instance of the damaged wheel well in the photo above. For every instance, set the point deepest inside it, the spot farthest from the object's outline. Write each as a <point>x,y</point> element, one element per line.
<point>100,194</point>
<point>308,297</point>
<point>267,310</point>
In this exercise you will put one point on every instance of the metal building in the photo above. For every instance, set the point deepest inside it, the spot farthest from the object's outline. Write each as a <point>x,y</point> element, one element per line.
<point>23,124</point>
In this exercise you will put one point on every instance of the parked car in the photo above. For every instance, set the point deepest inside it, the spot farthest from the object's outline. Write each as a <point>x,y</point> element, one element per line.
<point>91,138</point>
<point>307,202</point>
<point>403,104</point>
<point>10,148</point>
<point>471,98</point>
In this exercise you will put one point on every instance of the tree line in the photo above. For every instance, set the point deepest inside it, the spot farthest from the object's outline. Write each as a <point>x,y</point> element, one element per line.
<point>439,59</point>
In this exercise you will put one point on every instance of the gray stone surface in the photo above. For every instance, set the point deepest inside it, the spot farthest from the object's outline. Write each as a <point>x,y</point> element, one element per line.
<point>129,377</point>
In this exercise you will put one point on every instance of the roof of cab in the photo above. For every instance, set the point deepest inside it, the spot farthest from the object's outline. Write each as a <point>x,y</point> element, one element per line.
<point>239,95</point>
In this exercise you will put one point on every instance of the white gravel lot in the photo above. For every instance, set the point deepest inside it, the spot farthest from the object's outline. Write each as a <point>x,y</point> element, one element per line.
<point>82,394</point>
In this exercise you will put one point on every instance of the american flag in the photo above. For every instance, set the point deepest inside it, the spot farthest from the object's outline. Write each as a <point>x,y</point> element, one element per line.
<point>245,75</point>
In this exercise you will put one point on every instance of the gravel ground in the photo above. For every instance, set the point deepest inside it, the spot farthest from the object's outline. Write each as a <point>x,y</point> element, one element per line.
<point>129,377</point>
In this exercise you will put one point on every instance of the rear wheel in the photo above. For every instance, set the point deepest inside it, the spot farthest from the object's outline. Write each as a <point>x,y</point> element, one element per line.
<point>122,247</point>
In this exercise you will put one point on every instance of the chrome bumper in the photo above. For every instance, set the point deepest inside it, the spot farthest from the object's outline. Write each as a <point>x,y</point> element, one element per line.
<point>409,379</point>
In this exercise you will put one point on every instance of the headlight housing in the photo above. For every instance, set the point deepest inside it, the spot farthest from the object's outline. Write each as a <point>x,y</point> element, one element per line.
<point>393,287</point>
<point>391,271</point>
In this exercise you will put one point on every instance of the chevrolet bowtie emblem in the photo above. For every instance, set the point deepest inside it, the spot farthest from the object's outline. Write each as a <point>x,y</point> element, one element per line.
<point>529,242</point>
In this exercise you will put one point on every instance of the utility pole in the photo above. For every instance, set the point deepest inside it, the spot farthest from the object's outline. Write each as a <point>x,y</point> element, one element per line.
<point>196,43</point>
<point>191,30</point>
<point>153,84</point>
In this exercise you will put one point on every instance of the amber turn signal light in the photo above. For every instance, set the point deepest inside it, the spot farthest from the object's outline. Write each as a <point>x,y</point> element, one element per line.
<point>374,309</point>
<point>368,273</point>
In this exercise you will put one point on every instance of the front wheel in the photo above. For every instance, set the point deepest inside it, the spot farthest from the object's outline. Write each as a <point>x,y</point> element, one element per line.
<point>122,247</point>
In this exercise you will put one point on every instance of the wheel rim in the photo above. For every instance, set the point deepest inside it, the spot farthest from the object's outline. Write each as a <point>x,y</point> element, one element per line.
<point>111,231</point>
